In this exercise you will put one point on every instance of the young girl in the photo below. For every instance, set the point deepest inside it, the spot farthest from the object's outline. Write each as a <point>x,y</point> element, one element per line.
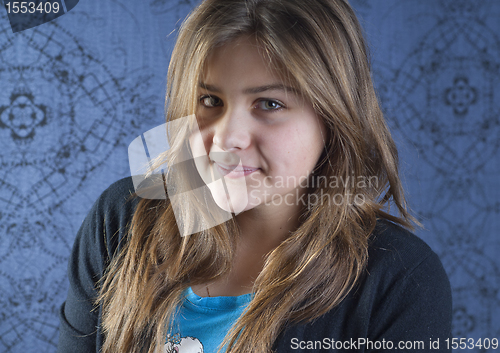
<point>276,233</point>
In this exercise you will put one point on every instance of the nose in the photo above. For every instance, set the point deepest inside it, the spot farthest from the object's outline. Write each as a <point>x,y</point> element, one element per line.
<point>233,131</point>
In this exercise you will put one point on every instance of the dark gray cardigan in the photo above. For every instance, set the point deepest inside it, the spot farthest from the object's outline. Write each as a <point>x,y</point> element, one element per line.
<point>404,296</point>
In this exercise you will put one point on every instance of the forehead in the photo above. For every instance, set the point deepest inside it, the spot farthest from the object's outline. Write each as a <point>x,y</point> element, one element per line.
<point>245,55</point>
<point>237,54</point>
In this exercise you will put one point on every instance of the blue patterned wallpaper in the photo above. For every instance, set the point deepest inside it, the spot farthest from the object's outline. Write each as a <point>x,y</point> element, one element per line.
<point>76,91</point>
<point>437,67</point>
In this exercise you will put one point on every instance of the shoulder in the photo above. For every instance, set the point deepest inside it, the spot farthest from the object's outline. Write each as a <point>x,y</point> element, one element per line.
<point>405,286</point>
<point>97,241</point>
<point>118,202</point>
<point>401,263</point>
<point>404,275</point>
<point>117,194</point>
<point>395,251</point>
<point>107,223</point>
<point>404,294</point>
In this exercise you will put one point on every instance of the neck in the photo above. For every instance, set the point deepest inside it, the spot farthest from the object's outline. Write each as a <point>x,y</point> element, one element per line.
<point>262,230</point>
<point>268,224</point>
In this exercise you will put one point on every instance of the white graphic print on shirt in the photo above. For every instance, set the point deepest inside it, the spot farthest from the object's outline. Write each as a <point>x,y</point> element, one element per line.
<point>176,344</point>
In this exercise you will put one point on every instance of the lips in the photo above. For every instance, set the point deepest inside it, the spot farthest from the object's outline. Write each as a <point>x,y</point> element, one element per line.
<point>234,171</point>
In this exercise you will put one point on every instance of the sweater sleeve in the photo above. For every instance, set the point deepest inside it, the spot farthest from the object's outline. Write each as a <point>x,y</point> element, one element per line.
<point>96,242</point>
<point>415,312</point>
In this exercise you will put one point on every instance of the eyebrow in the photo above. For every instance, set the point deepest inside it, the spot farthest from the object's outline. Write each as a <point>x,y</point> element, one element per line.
<point>253,90</point>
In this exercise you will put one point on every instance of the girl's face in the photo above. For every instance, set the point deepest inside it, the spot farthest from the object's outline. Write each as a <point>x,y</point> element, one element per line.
<point>260,137</point>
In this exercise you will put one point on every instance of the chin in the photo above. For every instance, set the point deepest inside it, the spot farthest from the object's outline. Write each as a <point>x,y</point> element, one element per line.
<point>235,201</point>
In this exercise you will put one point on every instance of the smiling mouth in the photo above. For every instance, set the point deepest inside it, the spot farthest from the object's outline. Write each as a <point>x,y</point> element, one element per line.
<point>234,171</point>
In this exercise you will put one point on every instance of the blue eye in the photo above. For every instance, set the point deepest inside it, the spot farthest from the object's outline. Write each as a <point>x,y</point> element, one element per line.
<point>210,101</point>
<point>271,105</point>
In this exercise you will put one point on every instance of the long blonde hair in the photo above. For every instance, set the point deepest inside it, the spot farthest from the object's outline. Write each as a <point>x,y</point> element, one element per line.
<point>318,47</point>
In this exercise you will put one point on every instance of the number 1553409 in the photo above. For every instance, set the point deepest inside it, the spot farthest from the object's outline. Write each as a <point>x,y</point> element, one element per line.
<point>32,7</point>
<point>471,343</point>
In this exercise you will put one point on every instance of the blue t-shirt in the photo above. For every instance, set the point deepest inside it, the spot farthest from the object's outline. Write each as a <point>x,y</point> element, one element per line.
<point>203,322</point>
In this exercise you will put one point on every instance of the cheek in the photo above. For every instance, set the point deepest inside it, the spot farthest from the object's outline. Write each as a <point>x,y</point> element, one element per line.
<point>200,156</point>
<point>197,145</point>
<point>310,141</point>
<point>294,150</point>
<point>201,142</point>
<point>207,139</point>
